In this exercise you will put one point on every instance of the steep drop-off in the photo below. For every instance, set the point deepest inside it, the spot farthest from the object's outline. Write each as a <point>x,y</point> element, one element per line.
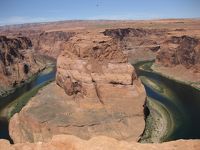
<point>17,62</point>
<point>50,43</point>
<point>140,44</point>
<point>98,94</point>
<point>179,59</point>
<point>182,50</point>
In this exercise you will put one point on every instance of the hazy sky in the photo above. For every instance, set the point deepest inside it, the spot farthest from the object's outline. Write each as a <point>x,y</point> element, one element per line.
<point>22,11</point>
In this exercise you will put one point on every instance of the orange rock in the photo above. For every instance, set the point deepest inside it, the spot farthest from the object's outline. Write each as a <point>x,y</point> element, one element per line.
<point>102,95</point>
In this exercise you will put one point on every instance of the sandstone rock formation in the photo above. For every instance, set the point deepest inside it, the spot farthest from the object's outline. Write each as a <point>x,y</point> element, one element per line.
<point>69,142</point>
<point>17,61</point>
<point>179,58</point>
<point>101,95</point>
<point>50,43</point>
<point>140,44</point>
<point>182,50</point>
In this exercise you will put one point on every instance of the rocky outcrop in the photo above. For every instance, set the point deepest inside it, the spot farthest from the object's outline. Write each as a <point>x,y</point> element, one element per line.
<point>50,43</point>
<point>182,50</point>
<point>133,32</point>
<point>98,94</point>
<point>17,62</point>
<point>140,44</point>
<point>69,142</point>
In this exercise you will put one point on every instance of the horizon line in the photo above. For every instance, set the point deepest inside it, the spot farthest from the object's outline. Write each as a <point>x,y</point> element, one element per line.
<point>65,20</point>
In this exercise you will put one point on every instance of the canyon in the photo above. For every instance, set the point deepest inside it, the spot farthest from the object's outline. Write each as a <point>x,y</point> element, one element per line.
<point>97,98</point>
<point>18,62</point>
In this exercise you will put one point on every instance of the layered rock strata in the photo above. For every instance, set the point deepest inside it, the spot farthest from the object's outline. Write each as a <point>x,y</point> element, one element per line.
<point>17,62</point>
<point>50,43</point>
<point>182,50</point>
<point>179,58</point>
<point>140,44</point>
<point>98,94</point>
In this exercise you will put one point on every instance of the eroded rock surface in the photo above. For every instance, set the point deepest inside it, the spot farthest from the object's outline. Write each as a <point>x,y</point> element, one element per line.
<point>50,43</point>
<point>179,58</point>
<point>140,44</point>
<point>98,94</point>
<point>69,142</point>
<point>182,50</point>
<point>17,61</point>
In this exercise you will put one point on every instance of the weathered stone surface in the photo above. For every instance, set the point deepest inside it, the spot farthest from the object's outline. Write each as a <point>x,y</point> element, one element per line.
<point>140,44</point>
<point>17,62</point>
<point>93,59</point>
<point>57,113</point>
<point>50,43</point>
<point>69,142</point>
<point>179,58</point>
<point>182,50</point>
<point>101,96</point>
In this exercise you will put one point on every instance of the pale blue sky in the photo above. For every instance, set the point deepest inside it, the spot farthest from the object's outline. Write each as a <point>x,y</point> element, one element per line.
<point>24,11</point>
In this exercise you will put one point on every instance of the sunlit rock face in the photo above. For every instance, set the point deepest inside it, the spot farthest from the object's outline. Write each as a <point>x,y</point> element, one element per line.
<point>50,43</point>
<point>17,61</point>
<point>140,44</point>
<point>96,93</point>
<point>183,50</point>
<point>69,142</point>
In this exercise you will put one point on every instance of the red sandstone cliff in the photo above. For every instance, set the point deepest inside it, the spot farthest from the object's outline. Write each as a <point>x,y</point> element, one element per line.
<point>182,50</point>
<point>17,61</point>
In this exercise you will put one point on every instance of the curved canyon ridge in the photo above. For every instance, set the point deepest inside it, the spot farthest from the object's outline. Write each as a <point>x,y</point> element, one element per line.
<point>97,93</point>
<point>97,99</point>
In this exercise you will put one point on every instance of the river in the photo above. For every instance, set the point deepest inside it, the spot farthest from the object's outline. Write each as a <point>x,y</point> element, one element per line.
<point>174,107</point>
<point>15,101</point>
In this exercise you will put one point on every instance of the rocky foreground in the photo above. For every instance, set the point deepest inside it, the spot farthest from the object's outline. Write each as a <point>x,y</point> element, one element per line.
<point>69,142</point>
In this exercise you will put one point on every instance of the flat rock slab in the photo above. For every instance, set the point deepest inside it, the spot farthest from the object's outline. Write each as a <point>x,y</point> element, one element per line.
<point>69,142</point>
<point>53,112</point>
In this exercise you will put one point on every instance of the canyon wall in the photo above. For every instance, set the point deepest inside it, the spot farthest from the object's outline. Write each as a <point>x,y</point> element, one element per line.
<point>183,50</point>
<point>139,44</point>
<point>17,62</point>
<point>179,59</point>
<point>50,43</point>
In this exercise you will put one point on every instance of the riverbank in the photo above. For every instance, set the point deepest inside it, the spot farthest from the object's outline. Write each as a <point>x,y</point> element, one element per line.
<point>8,92</point>
<point>43,62</point>
<point>179,74</point>
<point>180,100</point>
<point>15,106</point>
<point>19,97</point>
<point>158,124</point>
